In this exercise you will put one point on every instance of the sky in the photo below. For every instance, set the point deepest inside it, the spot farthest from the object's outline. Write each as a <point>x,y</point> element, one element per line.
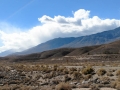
<point>27,23</point>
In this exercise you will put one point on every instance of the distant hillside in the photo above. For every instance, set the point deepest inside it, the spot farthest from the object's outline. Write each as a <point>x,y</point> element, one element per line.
<point>105,49</point>
<point>6,53</point>
<point>111,48</point>
<point>51,44</point>
<point>82,50</point>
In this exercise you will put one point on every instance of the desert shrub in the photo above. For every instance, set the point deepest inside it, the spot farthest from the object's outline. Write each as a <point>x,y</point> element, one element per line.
<point>1,76</point>
<point>116,85</point>
<point>101,72</point>
<point>118,73</point>
<point>71,72</point>
<point>26,80</point>
<point>105,78</point>
<point>50,75</point>
<point>61,69</point>
<point>53,74</point>
<point>88,70</point>
<point>55,67</point>
<point>66,71</point>
<point>16,88</point>
<point>109,74</point>
<point>85,86</point>
<point>100,85</point>
<point>113,84</point>
<point>38,77</point>
<point>77,75</point>
<point>46,69</point>
<point>55,81</point>
<point>73,69</point>
<point>94,87</point>
<point>88,76</point>
<point>63,86</point>
<point>67,78</point>
<point>119,78</point>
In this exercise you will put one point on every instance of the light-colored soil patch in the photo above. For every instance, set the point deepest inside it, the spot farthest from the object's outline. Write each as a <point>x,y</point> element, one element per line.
<point>89,89</point>
<point>81,89</point>
<point>96,67</point>
<point>107,89</point>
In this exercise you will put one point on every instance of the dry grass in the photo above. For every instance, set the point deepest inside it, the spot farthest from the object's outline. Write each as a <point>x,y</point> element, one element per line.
<point>88,70</point>
<point>101,72</point>
<point>63,86</point>
<point>43,76</point>
<point>118,73</point>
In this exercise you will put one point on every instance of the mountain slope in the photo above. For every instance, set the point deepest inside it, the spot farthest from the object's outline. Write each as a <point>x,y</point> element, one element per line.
<point>89,40</point>
<point>110,49</point>
<point>7,52</point>
<point>51,44</point>
<point>94,39</point>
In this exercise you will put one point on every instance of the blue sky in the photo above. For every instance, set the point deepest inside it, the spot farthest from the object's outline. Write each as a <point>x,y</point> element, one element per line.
<point>24,13</point>
<point>36,21</point>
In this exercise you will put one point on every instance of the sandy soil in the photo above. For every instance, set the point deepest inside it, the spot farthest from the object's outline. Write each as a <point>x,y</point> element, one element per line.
<point>89,89</point>
<point>81,89</point>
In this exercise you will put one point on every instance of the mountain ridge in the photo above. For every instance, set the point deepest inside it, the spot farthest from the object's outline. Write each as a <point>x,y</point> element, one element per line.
<point>110,50</point>
<point>88,40</point>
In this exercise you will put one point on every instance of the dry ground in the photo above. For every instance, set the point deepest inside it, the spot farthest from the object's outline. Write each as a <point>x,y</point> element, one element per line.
<point>78,76</point>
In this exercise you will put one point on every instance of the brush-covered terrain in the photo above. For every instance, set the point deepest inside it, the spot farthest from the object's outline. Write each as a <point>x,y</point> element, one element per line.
<point>105,52</point>
<point>85,68</point>
<point>67,76</point>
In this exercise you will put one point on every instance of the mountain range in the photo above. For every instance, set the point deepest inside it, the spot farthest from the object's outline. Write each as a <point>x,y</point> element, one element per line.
<point>110,50</point>
<point>72,42</point>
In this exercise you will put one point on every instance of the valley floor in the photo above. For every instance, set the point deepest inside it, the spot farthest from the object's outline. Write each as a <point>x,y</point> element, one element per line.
<point>67,76</point>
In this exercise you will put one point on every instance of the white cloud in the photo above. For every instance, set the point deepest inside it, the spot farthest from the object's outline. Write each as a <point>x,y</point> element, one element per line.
<point>59,26</point>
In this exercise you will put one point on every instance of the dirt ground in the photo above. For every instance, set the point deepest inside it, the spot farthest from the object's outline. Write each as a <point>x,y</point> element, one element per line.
<point>89,89</point>
<point>28,76</point>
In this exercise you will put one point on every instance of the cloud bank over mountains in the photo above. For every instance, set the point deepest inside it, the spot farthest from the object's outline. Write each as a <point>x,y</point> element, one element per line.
<point>53,27</point>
